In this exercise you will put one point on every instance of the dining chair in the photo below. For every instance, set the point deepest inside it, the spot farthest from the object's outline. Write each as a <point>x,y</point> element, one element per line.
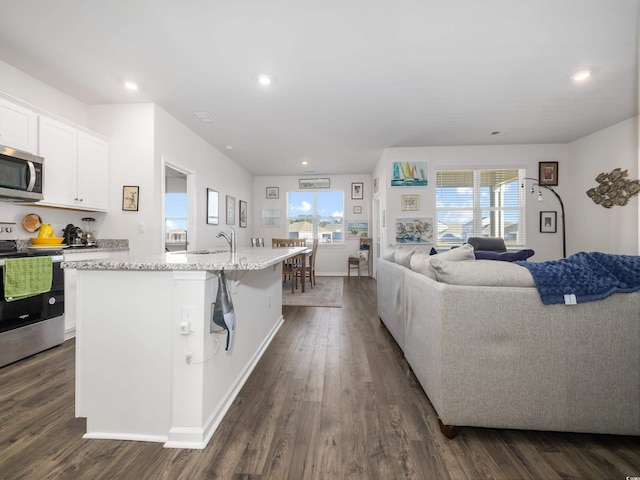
<point>291,267</point>
<point>362,257</point>
<point>257,242</point>
<point>311,264</point>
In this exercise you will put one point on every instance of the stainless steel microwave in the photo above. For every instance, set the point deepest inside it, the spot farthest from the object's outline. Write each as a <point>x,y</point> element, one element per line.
<point>21,175</point>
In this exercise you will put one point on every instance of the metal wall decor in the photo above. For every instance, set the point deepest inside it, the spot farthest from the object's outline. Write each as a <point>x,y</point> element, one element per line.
<point>614,189</point>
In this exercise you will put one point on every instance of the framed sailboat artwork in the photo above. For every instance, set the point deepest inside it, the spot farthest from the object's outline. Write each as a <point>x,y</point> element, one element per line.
<point>410,174</point>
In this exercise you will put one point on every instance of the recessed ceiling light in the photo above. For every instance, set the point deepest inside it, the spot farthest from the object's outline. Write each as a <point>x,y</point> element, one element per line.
<point>581,76</point>
<point>131,86</point>
<point>264,80</point>
<point>305,162</point>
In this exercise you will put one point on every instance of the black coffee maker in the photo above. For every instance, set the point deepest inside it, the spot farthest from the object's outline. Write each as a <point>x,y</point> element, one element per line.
<point>72,236</point>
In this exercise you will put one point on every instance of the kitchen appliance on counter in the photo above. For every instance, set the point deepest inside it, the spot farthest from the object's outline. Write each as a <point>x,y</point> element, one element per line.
<point>73,236</point>
<point>36,323</point>
<point>88,237</point>
<point>21,175</point>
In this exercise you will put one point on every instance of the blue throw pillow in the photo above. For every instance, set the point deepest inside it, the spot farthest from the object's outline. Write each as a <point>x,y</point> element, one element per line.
<point>504,256</point>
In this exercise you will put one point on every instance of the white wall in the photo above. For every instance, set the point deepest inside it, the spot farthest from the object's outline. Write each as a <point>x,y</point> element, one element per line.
<point>181,146</point>
<point>143,137</point>
<point>332,258</point>
<point>34,92</point>
<point>130,130</point>
<point>591,227</point>
<point>547,246</point>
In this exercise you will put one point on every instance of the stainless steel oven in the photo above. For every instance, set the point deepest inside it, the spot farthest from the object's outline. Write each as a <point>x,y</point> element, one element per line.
<point>36,323</point>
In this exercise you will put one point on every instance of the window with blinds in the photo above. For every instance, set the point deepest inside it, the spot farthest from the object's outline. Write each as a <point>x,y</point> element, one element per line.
<point>480,203</point>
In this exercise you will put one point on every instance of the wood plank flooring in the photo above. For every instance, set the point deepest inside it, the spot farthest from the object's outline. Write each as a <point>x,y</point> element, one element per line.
<point>332,398</point>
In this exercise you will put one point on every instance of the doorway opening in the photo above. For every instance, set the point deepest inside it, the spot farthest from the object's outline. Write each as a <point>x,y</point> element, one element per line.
<point>177,207</point>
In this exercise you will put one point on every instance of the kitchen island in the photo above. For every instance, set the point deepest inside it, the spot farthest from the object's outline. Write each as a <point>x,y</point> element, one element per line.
<point>147,366</point>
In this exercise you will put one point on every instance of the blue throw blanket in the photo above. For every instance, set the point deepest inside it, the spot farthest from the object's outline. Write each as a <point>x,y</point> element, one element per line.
<point>589,276</point>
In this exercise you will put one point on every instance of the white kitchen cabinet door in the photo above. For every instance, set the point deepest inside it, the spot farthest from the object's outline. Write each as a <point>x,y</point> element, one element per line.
<point>59,147</point>
<point>18,127</point>
<point>76,167</point>
<point>93,172</point>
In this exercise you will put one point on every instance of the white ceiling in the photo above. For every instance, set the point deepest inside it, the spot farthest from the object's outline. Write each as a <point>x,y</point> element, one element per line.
<point>350,77</point>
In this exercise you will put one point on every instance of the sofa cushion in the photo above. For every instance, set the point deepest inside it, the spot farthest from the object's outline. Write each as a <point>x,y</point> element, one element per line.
<point>389,253</point>
<point>402,256</point>
<point>421,262</point>
<point>504,256</point>
<point>482,273</point>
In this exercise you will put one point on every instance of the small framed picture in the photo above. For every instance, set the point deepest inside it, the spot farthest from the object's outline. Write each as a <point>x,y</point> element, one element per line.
<point>409,202</point>
<point>357,209</point>
<point>548,222</point>
<point>243,214</point>
<point>548,173</point>
<point>231,210</point>
<point>130,198</point>
<point>273,193</point>
<point>307,183</point>
<point>357,191</point>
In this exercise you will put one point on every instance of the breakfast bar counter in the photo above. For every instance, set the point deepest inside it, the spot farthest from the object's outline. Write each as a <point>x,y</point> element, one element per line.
<point>149,364</point>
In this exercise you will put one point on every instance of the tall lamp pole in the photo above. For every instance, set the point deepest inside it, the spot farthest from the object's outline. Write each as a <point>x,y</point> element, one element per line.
<point>542,185</point>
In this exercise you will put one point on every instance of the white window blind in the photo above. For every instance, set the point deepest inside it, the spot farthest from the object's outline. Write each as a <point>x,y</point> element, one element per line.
<point>480,203</point>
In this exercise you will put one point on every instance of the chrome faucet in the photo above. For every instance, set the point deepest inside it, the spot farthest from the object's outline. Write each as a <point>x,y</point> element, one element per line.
<point>230,238</point>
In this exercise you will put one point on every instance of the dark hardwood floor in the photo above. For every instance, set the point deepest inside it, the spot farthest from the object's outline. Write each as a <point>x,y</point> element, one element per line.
<point>332,398</point>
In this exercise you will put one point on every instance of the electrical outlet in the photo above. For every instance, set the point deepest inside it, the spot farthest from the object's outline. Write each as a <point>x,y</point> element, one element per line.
<point>185,328</point>
<point>187,314</point>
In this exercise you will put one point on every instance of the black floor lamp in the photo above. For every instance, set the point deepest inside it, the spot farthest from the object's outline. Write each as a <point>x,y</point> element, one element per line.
<point>542,185</point>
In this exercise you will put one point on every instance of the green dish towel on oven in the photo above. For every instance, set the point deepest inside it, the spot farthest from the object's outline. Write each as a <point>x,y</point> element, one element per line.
<point>26,277</point>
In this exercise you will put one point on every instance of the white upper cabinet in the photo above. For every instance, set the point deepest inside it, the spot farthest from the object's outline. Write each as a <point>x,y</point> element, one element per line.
<point>18,127</point>
<point>76,167</point>
<point>93,172</point>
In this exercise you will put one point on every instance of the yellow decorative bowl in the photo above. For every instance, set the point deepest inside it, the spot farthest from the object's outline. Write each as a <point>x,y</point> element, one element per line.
<point>46,241</point>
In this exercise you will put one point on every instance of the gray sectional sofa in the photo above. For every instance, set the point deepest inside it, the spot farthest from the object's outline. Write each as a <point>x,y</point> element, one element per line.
<point>489,353</point>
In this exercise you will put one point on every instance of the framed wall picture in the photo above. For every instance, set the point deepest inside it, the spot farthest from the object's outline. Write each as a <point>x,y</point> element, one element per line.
<point>213,217</point>
<point>273,193</point>
<point>243,214</point>
<point>270,218</point>
<point>414,230</point>
<point>307,183</point>
<point>410,174</point>
<point>130,198</point>
<point>409,202</point>
<point>231,210</point>
<point>357,209</point>
<point>357,191</point>
<point>548,222</point>
<point>548,173</point>
<point>357,230</point>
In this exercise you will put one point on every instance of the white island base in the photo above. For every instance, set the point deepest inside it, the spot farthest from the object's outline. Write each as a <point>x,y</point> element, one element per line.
<point>140,377</point>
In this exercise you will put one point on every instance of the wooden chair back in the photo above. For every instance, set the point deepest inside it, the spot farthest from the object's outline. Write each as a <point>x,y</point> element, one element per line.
<point>288,242</point>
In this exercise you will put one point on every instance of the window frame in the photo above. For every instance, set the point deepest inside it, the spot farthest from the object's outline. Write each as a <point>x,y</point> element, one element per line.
<point>315,232</point>
<point>478,210</point>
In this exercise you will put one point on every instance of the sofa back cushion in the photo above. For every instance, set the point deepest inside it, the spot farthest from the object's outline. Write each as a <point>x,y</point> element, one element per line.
<point>487,273</point>
<point>421,262</point>
<point>402,256</point>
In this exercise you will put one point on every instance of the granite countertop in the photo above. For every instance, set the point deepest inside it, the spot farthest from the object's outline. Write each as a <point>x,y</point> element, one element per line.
<point>214,260</point>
